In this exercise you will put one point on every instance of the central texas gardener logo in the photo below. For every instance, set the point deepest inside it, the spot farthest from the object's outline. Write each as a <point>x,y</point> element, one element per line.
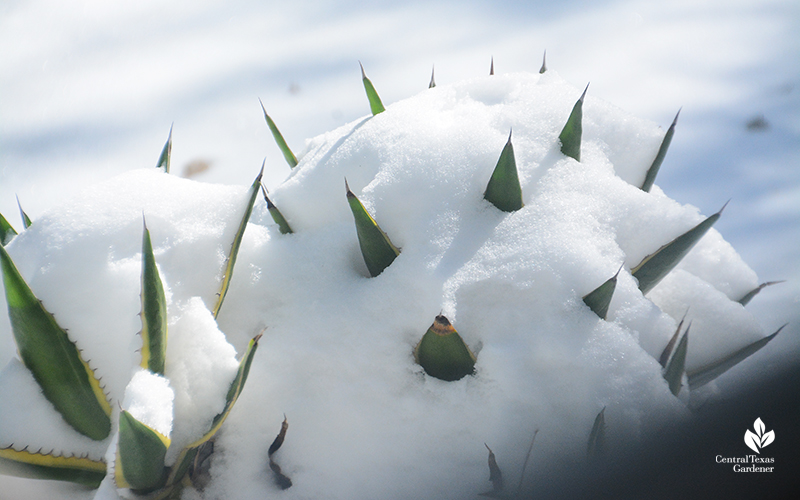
<point>758,439</point>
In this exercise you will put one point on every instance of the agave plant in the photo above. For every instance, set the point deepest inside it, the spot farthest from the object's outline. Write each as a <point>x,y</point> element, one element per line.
<point>473,234</point>
<point>444,355</point>
<point>69,382</point>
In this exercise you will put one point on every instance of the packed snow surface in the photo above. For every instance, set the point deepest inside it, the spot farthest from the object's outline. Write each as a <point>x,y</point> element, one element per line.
<point>336,357</point>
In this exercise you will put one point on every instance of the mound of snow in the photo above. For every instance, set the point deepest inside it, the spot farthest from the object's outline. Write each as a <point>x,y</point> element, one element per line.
<point>336,357</point>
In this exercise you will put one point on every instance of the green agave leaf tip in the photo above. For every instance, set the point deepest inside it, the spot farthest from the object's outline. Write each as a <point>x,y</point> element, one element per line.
<point>599,299</point>
<point>230,260</point>
<point>166,152</point>
<point>650,177</point>
<point>288,155</point>
<point>597,436</point>
<point>375,104</point>
<point>544,63</point>
<point>676,366</point>
<point>277,216</point>
<point>377,249</point>
<point>504,190</point>
<point>662,360</point>
<point>652,269</point>
<point>433,82</point>
<point>706,374</point>
<point>570,135</point>
<point>26,221</point>
<point>752,293</point>
<point>442,352</point>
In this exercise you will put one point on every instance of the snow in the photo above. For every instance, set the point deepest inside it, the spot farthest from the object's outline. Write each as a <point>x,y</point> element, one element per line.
<point>148,398</point>
<point>336,356</point>
<point>200,367</point>
<point>92,91</point>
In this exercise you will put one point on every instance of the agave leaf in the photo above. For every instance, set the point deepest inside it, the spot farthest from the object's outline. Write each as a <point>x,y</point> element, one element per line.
<point>140,456</point>
<point>376,247</point>
<point>278,441</point>
<point>53,359</point>
<point>599,299</point>
<point>291,159</point>
<point>26,221</point>
<point>752,293</point>
<point>433,82</point>
<point>36,465</point>
<point>495,476</point>
<point>183,464</point>
<point>655,266</point>
<point>187,455</point>
<point>705,374</point>
<point>650,178</point>
<point>7,232</point>
<point>673,372</point>
<point>237,241</point>
<point>375,104</point>
<point>544,63</point>
<point>236,386</point>
<point>662,360</point>
<point>570,135</point>
<point>597,437</point>
<point>442,352</point>
<point>503,190</point>
<point>282,480</point>
<point>166,153</point>
<point>276,214</point>
<point>154,311</point>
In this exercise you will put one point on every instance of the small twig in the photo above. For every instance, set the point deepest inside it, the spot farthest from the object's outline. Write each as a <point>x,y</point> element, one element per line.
<point>525,464</point>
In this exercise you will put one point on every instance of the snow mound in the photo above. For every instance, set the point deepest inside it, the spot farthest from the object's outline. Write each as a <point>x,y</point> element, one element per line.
<point>336,357</point>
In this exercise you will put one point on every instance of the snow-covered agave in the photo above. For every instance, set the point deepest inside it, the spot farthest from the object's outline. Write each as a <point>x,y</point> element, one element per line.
<point>459,224</point>
<point>136,432</point>
<point>503,190</point>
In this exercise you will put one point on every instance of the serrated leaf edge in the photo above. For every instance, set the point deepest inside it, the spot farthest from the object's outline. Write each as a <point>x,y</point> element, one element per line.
<point>230,261</point>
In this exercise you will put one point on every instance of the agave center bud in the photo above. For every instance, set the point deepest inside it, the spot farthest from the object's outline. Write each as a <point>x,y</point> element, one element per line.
<point>442,352</point>
<point>442,326</point>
